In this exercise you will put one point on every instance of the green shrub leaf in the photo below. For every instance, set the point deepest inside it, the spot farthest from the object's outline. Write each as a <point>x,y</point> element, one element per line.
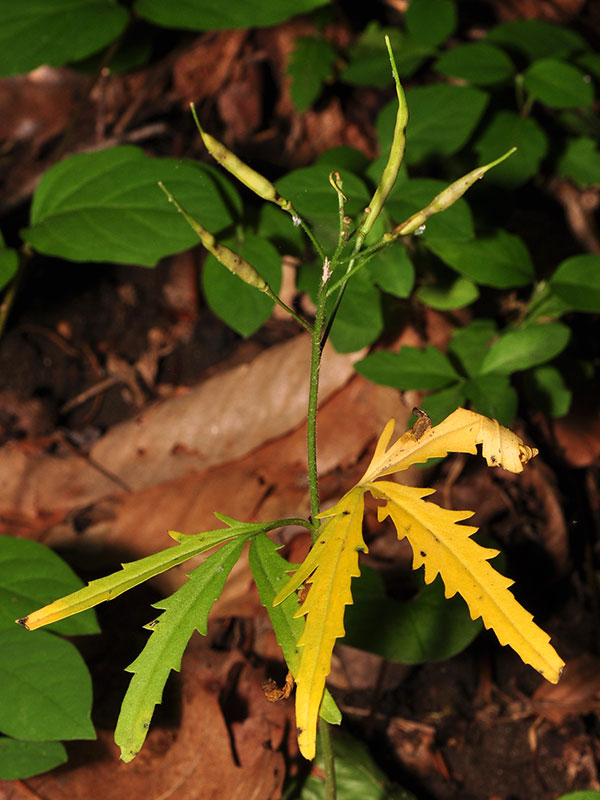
<point>9,263</point>
<point>470,344</point>
<point>508,128</point>
<point>430,22</point>
<point>477,62</point>
<point>359,320</point>
<point>493,396</point>
<point>536,39</point>
<point>441,404</point>
<point>106,206</point>
<point>311,63</point>
<point>239,305</point>
<point>368,60</point>
<point>457,292</point>
<point>206,15</point>
<point>55,31</point>
<point>46,689</point>
<point>547,391</point>
<point>526,347</point>
<point>410,368</point>
<point>581,162</point>
<point>577,282</point>
<point>410,196</point>
<point>392,270</point>
<point>20,760</point>
<point>558,84</point>
<point>501,260</point>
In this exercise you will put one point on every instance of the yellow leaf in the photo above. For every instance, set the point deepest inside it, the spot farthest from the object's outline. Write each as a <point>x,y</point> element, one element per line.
<point>461,432</point>
<point>332,562</point>
<point>446,548</point>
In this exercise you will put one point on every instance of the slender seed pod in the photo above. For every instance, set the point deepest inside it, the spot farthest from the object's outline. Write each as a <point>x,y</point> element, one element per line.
<point>245,174</point>
<point>234,263</point>
<point>444,199</point>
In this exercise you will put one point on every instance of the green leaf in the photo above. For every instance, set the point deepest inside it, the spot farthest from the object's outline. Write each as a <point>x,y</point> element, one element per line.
<point>581,162</point>
<point>590,62</point>
<point>501,260</point>
<point>55,31</point>
<point>206,15</point>
<point>493,396</point>
<point>106,206</point>
<point>426,628</point>
<point>470,344</point>
<point>547,391</point>
<point>430,22</point>
<point>558,84</point>
<point>270,573</point>
<point>239,305</point>
<point>185,611</point>
<point>9,263</point>
<point>311,63</point>
<point>344,157</point>
<point>442,119</point>
<point>477,62</point>
<point>410,368</point>
<point>410,196</point>
<point>586,794</point>
<point>32,575</point>
<point>448,295</point>
<point>392,270</point>
<point>359,320</point>
<point>277,226</point>
<point>508,128</point>
<point>368,60</point>
<point>20,760</point>
<point>525,348</point>
<point>46,689</point>
<point>577,282</point>
<point>440,404</point>
<point>310,192</point>
<point>536,39</point>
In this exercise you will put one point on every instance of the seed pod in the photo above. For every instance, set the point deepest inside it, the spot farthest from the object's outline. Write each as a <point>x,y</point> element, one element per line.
<point>245,174</point>
<point>444,199</point>
<point>234,263</point>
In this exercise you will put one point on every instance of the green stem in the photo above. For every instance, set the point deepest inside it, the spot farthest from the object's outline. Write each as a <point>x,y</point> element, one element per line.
<point>328,760</point>
<point>313,397</point>
<point>268,291</point>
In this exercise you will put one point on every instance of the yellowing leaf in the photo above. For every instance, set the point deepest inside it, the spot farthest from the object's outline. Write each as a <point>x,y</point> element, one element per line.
<point>461,432</point>
<point>332,562</point>
<point>446,548</point>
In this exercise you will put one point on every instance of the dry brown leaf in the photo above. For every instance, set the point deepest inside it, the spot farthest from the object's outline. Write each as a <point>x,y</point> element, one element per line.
<point>578,691</point>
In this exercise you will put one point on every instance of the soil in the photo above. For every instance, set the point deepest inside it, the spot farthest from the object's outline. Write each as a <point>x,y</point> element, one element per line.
<point>89,346</point>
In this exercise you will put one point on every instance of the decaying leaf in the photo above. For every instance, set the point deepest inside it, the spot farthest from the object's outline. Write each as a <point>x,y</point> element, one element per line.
<point>439,544</point>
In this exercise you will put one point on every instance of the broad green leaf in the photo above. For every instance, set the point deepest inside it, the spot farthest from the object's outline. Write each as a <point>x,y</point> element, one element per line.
<point>430,22</point>
<point>311,63</point>
<point>457,292</point>
<point>585,794</point>
<point>238,304</point>
<point>132,574</point>
<point>270,573</point>
<point>536,39</point>
<point>445,548</point>
<point>469,345</point>
<point>508,128</point>
<point>525,348</point>
<point>20,760</point>
<point>368,61</point>
<point>577,282</point>
<point>410,368</point>
<point>440,404</point>
<point>460,432</point>
<point>359,321</point>
<point>392,270</point>
<point>310,192</point>
<point>55,31</point>
<point>501,260</point>
<point>558,84</point>
<point>410,196</point>
<point>9,263</point>
<point>356,775</point>
<point>106,206</point>
<point>547,391</point>
<point>590,63</point>
<point>581,162</point>
<point>31,574</point>
<point>477,62</point>
<point>329,568</point>
<point>184,612</point>
<point>493,396</point>
<point>206,15</point>
<point>344,157</point>
<point>426,628</point>
<point>278,228</point>
<point>46,689</point>
<point>442,119</point>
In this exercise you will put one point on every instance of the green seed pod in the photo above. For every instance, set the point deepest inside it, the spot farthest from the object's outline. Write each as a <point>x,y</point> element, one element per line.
<point>245,174</point>
<point>234,263</point>
<point>444,199</point>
